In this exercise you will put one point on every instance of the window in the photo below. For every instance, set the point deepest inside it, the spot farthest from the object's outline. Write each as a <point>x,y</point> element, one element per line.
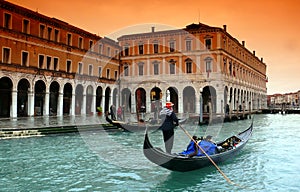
<point>7,21</point>
<point>126,70</point>
<point>188,66</point>
<point>172,46</point>
<point>69,39</point>
<point>80,68</point>
<point>25,58</point>
<point>41,61</point>
<point>155,47</point>
<point>208,64</point>
<point>100,48</point>
<point>108,51</point>
<point>116,54</point>
<point>80,42</point>
<point>55,63</point>
<point>25,26</point>
<point>126,50</point>
<point>91,45</point>
<point>107,73</point>
<point>56,35</point>
<point>208,43</point>
<point>155,68</point>
<point>48,62</point>
<point>172,64</point>
<point>100,72</point>
<point>6,55</point>
<point>90,70</point>
<point>188,45</point>
<point>69,65</point>
<point>42,30</point>
<point>141,69</point>
<point>141,49</point>
<point>49,33</point>
<point>116,74</point>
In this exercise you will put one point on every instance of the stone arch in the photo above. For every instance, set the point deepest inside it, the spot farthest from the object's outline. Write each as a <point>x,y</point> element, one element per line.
<point>174,98</point>
<point>53,99</point>
<point>89,99</point>
<point>67,98</point>
<point>126,100</point>
<point>78,99</point>
<point>39,97</point>
<point>6,86</point>
<point>189,99</point>
<point>107,98</point>
<point>209,96</point>
<point>140,99</point>
<point>22,100</point>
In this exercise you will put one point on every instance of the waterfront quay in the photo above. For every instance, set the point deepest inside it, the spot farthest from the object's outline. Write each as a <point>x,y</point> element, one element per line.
<point>39,126</point>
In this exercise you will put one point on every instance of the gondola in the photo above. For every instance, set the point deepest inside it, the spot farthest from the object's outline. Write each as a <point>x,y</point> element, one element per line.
<point>176,162</point>
<point>137,126</point>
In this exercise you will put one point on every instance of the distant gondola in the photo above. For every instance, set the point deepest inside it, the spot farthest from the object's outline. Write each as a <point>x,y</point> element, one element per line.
<point>175,162</point>
<point>137,126</point>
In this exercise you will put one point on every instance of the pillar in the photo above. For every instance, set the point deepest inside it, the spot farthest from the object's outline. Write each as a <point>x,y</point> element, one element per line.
<point>46,104</point>
<point>13,107</point>
<point>60,104</point>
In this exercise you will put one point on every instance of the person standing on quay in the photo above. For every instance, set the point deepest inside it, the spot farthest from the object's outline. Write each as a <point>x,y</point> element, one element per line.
<point>168,125</point>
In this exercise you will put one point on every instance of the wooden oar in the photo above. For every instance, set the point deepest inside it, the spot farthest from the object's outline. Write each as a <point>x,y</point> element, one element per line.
<point>212,161</point>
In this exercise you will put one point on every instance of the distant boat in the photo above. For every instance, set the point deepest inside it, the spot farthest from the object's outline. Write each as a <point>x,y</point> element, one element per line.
<point>176,162</point>
<point>138,126</point>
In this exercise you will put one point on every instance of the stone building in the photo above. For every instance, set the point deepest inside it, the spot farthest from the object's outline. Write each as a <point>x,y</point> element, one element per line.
<point>198,68</point>
<point>49,67</point>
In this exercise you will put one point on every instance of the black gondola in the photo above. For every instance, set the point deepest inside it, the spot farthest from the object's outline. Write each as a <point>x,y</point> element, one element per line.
<point>137,126</point>
<point>175,162</point>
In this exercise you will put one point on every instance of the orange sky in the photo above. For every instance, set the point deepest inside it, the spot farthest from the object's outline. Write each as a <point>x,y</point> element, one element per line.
<point>270,27</point>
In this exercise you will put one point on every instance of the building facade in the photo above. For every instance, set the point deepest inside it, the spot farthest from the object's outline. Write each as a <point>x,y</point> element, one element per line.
<point>199,68</point>
<point>49,67</point>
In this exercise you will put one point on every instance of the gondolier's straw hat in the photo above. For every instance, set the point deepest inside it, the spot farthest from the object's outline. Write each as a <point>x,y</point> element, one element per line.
<point>169,104</point>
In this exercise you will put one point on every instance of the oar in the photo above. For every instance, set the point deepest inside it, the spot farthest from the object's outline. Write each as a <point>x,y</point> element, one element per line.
<point>212,161</point>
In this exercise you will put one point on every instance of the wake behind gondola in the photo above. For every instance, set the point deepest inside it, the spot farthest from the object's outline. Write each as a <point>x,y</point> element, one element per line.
<point>176,162</point>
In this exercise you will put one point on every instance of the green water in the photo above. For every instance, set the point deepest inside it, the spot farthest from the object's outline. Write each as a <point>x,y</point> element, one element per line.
<point>114,161</point>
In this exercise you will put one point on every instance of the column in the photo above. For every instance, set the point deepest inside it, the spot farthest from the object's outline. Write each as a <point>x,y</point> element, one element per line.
<point>93,109</point>
<point>180,102</point>
<point>72,108</point>
<point>198,106</point>
<point>60,104</point>
<point>102,104</point>
<point>30,103</point>
<point>13,107</point>
<point>83,105</point>
<point>148,66</point>
<point>148,102</point>
<point>46,104</point>
<point>133,109</point>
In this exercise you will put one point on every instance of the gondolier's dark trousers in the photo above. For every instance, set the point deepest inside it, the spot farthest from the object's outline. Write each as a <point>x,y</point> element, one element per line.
<point>168,139</point>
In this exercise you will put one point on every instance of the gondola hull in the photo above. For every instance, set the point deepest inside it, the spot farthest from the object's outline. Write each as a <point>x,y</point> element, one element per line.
<point>183,164</point>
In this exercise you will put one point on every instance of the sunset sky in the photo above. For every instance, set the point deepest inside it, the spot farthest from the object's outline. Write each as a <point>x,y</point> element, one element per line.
<point>270,27</point>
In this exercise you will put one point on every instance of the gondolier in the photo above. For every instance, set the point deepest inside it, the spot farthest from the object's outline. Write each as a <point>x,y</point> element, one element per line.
<point>170,121</point>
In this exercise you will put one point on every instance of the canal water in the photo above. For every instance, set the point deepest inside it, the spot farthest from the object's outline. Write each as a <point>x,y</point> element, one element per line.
<point>113,160</point>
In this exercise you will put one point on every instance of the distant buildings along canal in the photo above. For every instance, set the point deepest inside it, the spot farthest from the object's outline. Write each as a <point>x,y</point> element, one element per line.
<point>49,67</point>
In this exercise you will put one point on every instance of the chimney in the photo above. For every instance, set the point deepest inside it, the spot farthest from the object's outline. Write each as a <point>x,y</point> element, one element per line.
<point>243,43</point>
<point>262,59</point>
<point>152,29</point>
<point>225,27</point>
<point>254,53</point>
